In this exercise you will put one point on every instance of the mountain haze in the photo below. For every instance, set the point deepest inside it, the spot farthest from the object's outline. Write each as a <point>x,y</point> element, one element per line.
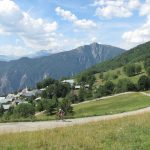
<point>18,74</point>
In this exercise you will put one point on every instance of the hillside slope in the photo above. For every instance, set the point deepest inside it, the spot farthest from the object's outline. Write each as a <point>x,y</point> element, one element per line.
<point>136,54</point>
<point>24,72</point>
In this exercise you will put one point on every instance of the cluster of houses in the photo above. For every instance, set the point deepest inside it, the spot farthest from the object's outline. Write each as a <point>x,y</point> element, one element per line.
<point>72,83</point>
<point>19,98</point>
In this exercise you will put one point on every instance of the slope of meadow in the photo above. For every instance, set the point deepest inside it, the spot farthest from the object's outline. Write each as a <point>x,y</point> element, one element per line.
<point>129,133</point>
<point>117,104</point>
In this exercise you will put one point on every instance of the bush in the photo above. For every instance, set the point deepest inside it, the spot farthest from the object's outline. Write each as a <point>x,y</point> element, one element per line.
<point>24,110</point>
<point>148,70</point>
<point>125,85</point>
<point>86,78</point>
<point>66,106</point>
<point>81,94</point>
<point>45,83</point>
<point>72,97</point>
<point>1,110</point>
<point>144,83</point>
<point>108,88</point>
<point>100,92</point>
<point>132,69</point>
<point>101,75</point>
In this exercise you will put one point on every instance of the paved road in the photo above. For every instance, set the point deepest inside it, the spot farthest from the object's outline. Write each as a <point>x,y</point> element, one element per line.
<point>34,126</point>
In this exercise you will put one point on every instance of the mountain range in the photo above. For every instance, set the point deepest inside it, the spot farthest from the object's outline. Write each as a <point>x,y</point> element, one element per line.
<point>17,74</point>
<point>37,54</point>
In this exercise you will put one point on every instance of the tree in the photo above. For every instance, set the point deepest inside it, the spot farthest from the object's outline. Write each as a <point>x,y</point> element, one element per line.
<point>101,75</point>
<point>124,85</point>
<point>148,70</point>
<point>46,82</point>
<point>50,107</point>
<point>144,83</point>
<point>147,66</point>
<point>1,110</point>
<point>66,106</point>
<point>39,106</point>
<point>24,110</point>
<point>147,63</point>
<point>132,69</point>
<point>58,89</point>
<point>109,88</point>
<point>138,69</point>
<point>100,92</point>
<point>86,78</point>
<point>81,94</point>
<point>72,97</point>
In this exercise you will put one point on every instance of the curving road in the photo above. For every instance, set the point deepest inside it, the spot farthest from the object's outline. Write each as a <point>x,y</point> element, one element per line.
<point>34,126</point>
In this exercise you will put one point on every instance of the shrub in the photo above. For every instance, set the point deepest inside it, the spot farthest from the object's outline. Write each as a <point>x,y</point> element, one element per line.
<point>1,110</point>
<point>148,70</point>
<point>101,75</point>
<point>66,106</point>
<point>24,110</point>
<point>132,69</point>
<point>100,92</point>
<point>144,83</point>
<point>125,85</point>
<point>108,88</point>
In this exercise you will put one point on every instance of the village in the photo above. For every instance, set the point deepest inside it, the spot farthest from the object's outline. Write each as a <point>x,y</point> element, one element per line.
<point>24,95</point>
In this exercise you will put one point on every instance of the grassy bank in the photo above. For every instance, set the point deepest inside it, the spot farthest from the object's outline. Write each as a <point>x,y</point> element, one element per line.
<point>130,133</point>
<point>118,104</point>
<point>114,105</point>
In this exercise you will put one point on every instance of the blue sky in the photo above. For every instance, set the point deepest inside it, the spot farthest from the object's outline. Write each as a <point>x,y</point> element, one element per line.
<point>28,26</point>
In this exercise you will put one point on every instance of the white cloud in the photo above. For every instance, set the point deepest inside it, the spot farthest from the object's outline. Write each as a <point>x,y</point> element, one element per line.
<point>145,9</point>
<point>116,8</point>
<point>17,50</point>
<point>81,23</point>
<point>142,33</point>
<point>33,31</point>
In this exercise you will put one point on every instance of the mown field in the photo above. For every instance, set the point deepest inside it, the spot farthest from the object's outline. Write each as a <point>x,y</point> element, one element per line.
<point>114,105</point>
<point>129,133</point>
<point>148,92</point>
<point>118,104</point>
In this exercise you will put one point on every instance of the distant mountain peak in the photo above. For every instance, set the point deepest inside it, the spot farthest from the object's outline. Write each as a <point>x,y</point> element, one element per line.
<point>28,71</point>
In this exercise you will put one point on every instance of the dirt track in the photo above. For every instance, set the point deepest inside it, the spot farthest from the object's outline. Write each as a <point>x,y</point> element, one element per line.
<point>34,126</point>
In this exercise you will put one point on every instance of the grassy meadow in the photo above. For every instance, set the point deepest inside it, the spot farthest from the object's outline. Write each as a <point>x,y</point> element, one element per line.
<point>117,104</point>
<point>129,133</point>
<point>121,75</point>
<point>148,92</point>
<point>114,105</point>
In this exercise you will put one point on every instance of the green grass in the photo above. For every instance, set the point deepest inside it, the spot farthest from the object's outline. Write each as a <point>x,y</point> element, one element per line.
<point>129,133</point>
<point>114,105</point>
<point>122,75</point>
<point>148,92</point>
<point>118,104</point>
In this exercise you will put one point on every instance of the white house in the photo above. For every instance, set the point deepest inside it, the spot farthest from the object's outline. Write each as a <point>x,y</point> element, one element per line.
<point>2,100</point>
<point>38,98</point>
<point>6,106</point>
<point>77,87</point>
<point>25,92</point>
<point>71,81</point>
<point>10,97</point>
